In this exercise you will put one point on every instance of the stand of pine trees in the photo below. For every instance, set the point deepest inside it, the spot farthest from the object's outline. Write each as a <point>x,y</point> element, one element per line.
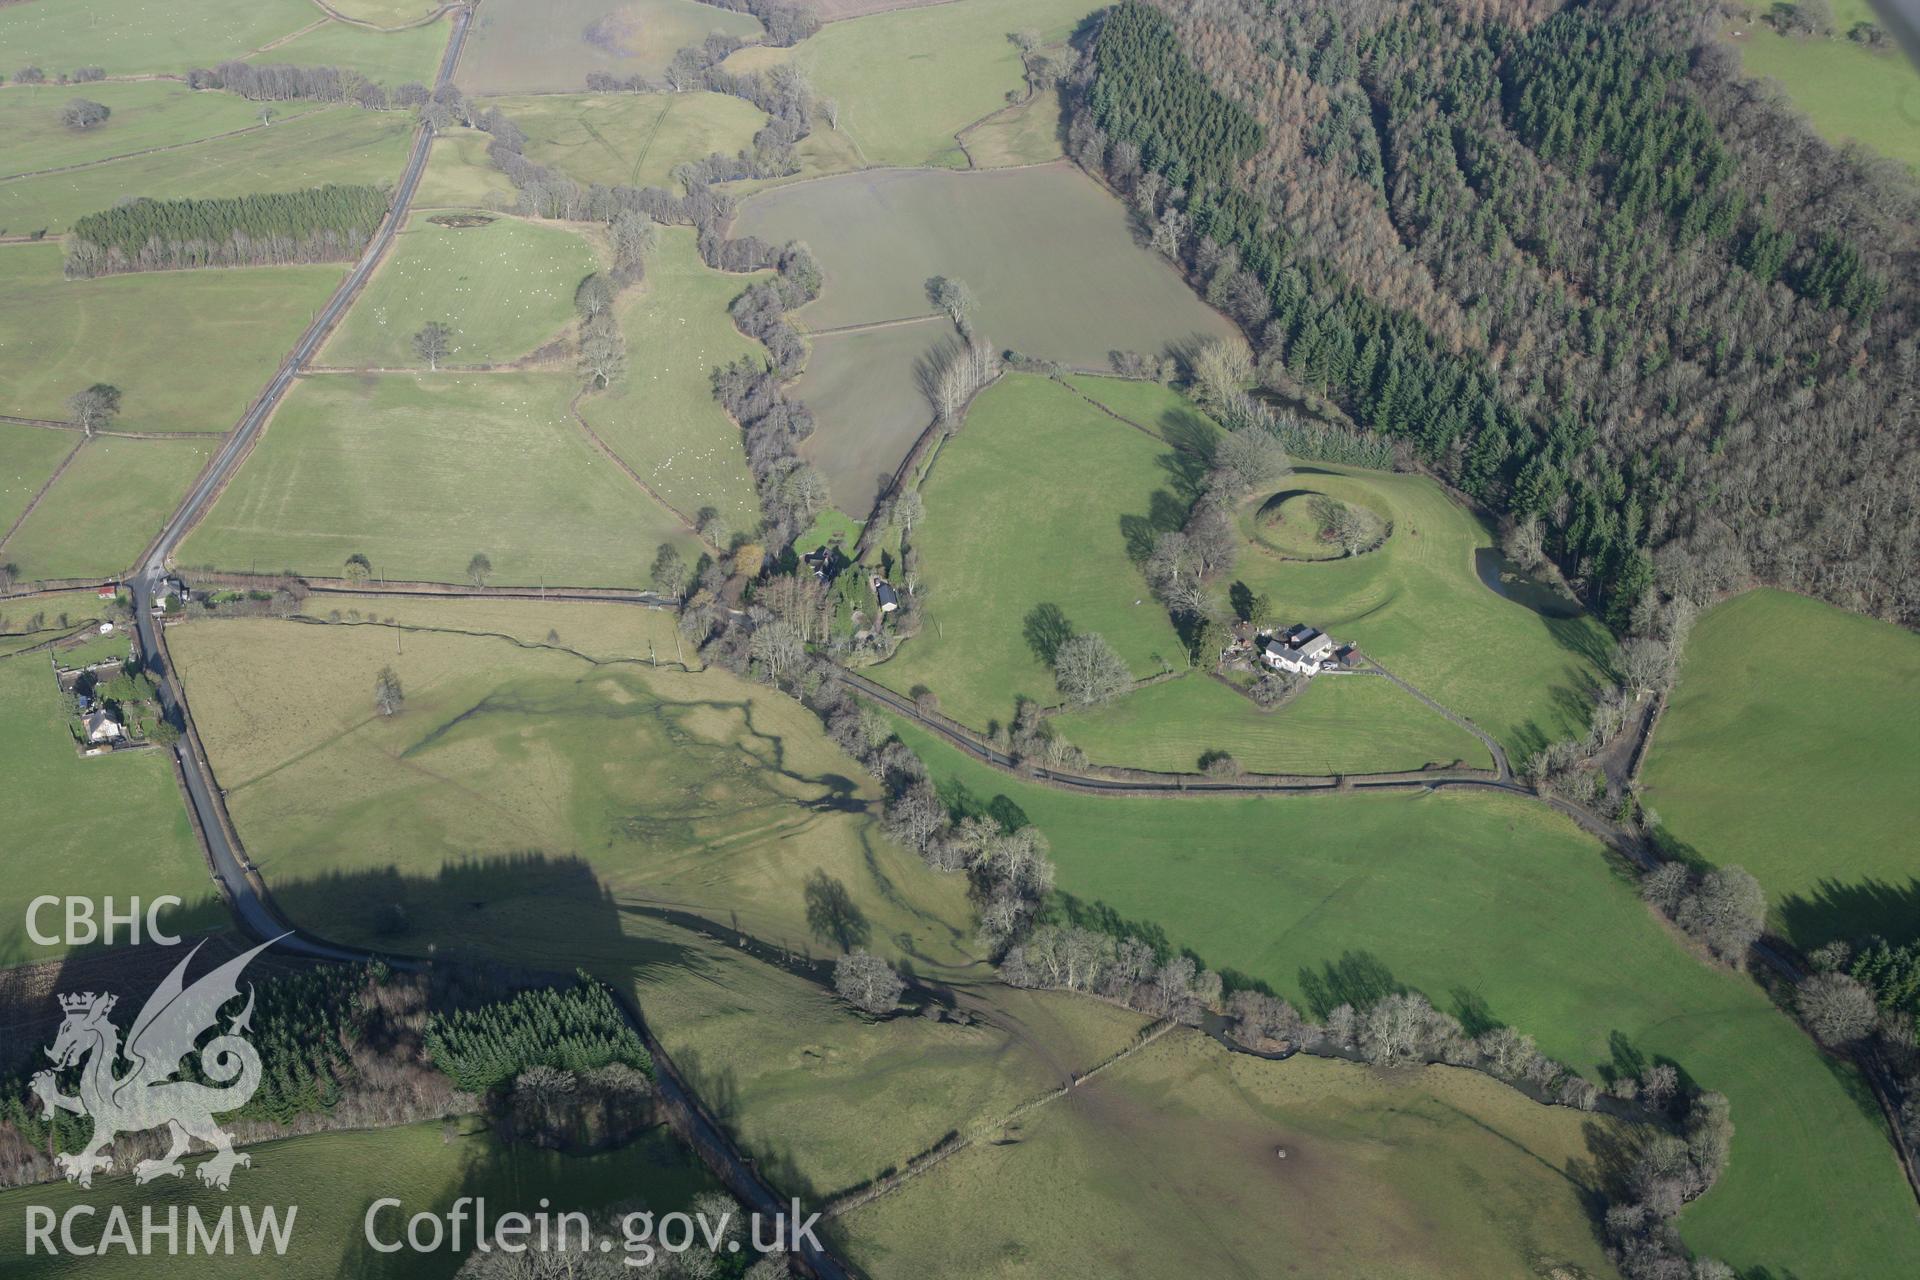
<point>1565,255</point>
<point>322,224</point>
<point>578,1029</point>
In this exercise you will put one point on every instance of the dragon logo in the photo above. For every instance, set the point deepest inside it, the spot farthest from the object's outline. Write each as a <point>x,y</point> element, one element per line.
<point>144,1095</point>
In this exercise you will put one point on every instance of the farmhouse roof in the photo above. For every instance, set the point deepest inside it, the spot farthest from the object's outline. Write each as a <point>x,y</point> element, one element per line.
<point>101,725</point>
<point>884,592</point>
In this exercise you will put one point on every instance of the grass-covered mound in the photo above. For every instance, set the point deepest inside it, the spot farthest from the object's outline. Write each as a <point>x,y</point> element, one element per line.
<point>1186,1155</point>
<point>420,473</point>
<point>1790,746</point>
<point>1302,523</point>
<point>504,288</point>
<point>1500,912</point>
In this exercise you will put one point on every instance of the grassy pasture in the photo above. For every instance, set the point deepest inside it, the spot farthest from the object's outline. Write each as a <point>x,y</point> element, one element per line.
<point>1847,91</point>
<point>459,175</point>
<point>631,139</point>
<point>84,827</point>
<point>1166,1165</point>
<point>1031,510</point>
<point>1027,133</point>
<point>421,472</point>
<point>505,289</point>
<point>530,46</point>
<point>28,455</point>
<point>308,148</point>
<point>146,113</point>
<point>1338,724</point>
<point>865,395</point>
<point>30,620</point>
<point>1804,778</point>
<point>58,336</point>
<point>1050,255</point>
<point>385,57</point>
<point>602,631</point>
<point>661,418</point>
<point>1494,908</point>
<point>334,1179</point>
<point>1420,604</point>
<point>908,80</point>
<point>108,504</point>
<point>131,36</point>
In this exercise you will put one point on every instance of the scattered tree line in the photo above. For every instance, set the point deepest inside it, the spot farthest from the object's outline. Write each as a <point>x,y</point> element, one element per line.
<point>79,75</point>
<point>786,24</point>
<point>322,224</point>
<point>1724,909</point>
<point>285,82</point>
<point>1578,267</point>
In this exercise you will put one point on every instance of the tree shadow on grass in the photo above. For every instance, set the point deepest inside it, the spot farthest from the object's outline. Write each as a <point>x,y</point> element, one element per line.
<point>1165,514</point>
<point>1046,627</point>
<point>1103,918</point>
<point>1852,912</point>
<point>832,914</point>
<point>1358,978</point>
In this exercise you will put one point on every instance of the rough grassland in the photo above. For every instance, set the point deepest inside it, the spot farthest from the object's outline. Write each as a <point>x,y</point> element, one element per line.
<point>420,473</point>
<point>131,36</point>
<point>385,57</point>
<point>1806,779</point>
<point>505,289</point>
<point>1028,133</point>
<point>28,455</point>
<point>1848,91</point>
<point>541,46</point>
<point>1167,1165</point>
<point>661,418</point>
<point>909,80</point>
<point>1050,255</point>
<point>867,403</point>
<point>600,630</point>
<point>108,504</point>
<point>384,13</point>
<point>631,139</point>
<point>149,113</point>
<point>1337,724</point>
<point>310,149</point>
<point>334,1179</point>
<point>58,336</point>
<point>1419,604</point>
<point>459,175</point>
<point>1034,505</point>
<point>82,827</point>
<point>1495,907</point>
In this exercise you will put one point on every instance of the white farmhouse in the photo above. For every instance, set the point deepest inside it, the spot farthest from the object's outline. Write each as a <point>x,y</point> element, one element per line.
<point>1300,649</point>
<point>102,727</point>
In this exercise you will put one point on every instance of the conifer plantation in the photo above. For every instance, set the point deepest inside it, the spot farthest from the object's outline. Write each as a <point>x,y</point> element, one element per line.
<point>323,224</point>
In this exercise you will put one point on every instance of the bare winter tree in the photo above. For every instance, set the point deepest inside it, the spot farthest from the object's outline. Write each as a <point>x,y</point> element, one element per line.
<point>95,407</point>
<point>867,982</point>
<point>956,299</point>
<point>388,698</point>
<point>433,343</point>
<point>479,568</point>
<point>1838,1009</point>
<point>1089,671</point>
<point>84,114</point>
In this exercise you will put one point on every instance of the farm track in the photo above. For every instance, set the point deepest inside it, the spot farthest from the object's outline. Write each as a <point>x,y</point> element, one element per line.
<point>421,21</point>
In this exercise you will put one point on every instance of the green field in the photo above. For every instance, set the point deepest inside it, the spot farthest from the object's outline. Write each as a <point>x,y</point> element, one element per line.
<point>1806,779</point>
<point>1493,906</point>
<point>1029,132</point>
<point>385,57</point>
<point>332,1180</point>
<point>28,455</point>
<point>1848,91</point>
<point>1050,255</point>
<point>1167,1165</point>
<point>532,805</point>
<point>146,113</point>
<point>1031,508</point>
<point>909,80</point>
<point>1421,604</point>
<point>459,175</point>
<point>420,473</point>
<point>661,417</point>
<point>107,505</point>
<point>303,148</point>
<point>631,139</point>
<point>59,336</point>
<point>85,826</point>
<point>531,46</point>
<point>384,13</point>
<point>1337,724</point>
<point>131,36</point>
<point>505,289</point>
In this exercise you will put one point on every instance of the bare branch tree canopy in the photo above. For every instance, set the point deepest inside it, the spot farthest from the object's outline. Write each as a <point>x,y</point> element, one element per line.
<point>388,698</point>
<point>433,343</point>
<point>95,407</point>
<point>1838,1008</point>
<point>84,114</point>
<point>867,982</point>
<point>479,568</point>
<point>1646,664</point>
<point>1089,671</point>
<point>1252,459</point>
<point>669,572</point>
<point>955,298</point>
<point>359,568</point>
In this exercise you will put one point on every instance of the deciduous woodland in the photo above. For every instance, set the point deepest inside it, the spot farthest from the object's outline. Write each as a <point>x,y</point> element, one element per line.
<point>1569,260</point>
